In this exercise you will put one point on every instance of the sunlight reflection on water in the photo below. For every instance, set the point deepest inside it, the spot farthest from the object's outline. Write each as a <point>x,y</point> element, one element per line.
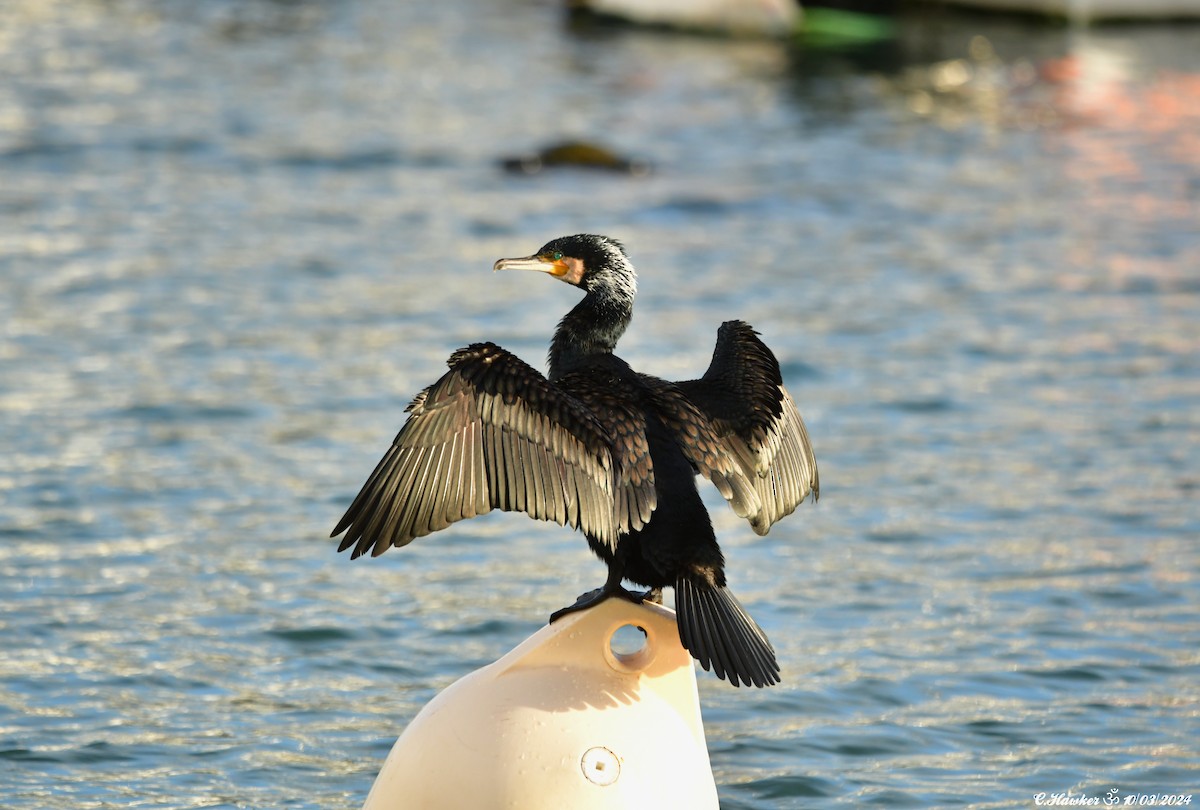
<point>236,238</point>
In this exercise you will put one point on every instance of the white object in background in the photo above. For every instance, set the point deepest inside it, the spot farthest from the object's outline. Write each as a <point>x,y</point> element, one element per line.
<point>1090,10</point>
<point>770,17</point>
<point>562,721</point>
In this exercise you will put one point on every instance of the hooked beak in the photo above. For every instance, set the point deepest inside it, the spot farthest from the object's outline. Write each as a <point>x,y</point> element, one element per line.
<point>543,264</point>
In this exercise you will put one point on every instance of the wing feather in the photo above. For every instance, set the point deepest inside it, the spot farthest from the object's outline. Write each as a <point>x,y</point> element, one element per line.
<point>492,433</point>
<point>703,447</point>
<point>757,421</point>
<point>606,392</point>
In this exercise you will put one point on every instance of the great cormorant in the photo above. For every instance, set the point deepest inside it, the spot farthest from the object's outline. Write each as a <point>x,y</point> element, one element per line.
<point>607,450</point>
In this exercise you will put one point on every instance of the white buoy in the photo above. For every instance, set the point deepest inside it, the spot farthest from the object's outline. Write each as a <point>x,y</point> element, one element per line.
<point>562,721</point>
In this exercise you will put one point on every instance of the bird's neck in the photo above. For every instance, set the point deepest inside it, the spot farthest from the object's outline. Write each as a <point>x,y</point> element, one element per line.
<point>592,328</point>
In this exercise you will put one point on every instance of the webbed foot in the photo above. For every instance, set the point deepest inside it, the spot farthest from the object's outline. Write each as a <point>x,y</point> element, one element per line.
<point>593,598</point>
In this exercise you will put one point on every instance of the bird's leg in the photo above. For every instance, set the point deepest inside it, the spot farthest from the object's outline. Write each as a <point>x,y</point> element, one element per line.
<point>611,587</point>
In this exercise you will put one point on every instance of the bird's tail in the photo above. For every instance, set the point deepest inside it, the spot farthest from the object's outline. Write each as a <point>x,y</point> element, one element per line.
<point>719,633</point>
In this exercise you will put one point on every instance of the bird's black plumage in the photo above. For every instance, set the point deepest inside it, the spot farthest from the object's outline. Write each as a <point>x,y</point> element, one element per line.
<point>607,450</point>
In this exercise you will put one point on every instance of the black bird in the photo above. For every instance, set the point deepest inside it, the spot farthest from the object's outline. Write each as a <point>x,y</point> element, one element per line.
<point>610,451</point>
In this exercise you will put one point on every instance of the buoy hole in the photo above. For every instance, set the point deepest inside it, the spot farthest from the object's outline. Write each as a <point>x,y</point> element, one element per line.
<point>627,640</point>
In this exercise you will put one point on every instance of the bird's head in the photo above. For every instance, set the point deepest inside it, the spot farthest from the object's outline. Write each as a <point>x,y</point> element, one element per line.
<point>596,264</point>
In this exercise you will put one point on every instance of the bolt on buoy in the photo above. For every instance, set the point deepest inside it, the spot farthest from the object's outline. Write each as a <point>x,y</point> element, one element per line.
<point>601,766</point>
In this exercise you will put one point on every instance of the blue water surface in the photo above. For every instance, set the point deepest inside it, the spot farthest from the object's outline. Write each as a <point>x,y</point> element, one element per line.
<point>237,237</point>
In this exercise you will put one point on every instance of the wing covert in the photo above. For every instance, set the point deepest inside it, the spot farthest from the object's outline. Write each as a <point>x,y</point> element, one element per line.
<point>634,494</point>
<point>697,437</point>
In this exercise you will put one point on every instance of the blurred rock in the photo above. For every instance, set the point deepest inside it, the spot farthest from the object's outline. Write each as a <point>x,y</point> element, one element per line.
<point>576,155</point>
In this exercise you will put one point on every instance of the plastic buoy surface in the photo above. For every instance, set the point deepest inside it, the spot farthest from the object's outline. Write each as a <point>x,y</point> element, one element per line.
<point>562,721</point>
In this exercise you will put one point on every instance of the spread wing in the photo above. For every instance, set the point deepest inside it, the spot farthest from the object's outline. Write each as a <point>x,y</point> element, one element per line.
<point>742,394</point>
<point>492,433</point>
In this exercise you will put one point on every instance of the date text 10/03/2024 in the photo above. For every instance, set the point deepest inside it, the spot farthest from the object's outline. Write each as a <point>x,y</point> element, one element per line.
<point>1113,798</point>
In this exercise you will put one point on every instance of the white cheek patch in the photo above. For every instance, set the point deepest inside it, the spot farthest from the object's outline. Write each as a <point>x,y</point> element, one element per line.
<point>574,273</point>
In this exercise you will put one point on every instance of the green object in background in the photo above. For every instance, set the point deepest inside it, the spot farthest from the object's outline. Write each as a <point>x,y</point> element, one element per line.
<point>830,28</point>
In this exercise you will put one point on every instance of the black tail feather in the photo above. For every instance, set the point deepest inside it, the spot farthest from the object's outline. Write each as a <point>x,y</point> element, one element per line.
<point>720,634</point>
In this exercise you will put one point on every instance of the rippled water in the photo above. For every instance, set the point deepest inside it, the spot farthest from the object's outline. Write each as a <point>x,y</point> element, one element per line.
<point>235,238</point>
